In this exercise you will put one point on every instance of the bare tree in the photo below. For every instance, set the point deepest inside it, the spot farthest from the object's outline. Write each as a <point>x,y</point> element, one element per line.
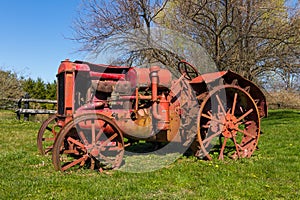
<point>121,25</point>
<point>247,36</point>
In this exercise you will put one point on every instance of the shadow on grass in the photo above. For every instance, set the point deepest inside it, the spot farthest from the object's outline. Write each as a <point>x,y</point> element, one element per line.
<point>158,148</point>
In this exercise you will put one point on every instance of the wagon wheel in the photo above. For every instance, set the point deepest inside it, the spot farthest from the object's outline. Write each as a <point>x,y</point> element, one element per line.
<point>228,123</point>
<point>47,134</point>
<point>88,141</point>
<point>188,70</point>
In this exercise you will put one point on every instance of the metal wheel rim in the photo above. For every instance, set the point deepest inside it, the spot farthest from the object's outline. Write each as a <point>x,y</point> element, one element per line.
<point>80,155</point>
<point>47,129</point>
<point>252,143</point>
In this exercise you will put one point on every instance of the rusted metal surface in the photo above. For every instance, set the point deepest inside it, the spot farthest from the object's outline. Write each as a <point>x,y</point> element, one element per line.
<point>236,119</point>
<point>98,146</point>
<point>47,134</point>
<point>214,113</point>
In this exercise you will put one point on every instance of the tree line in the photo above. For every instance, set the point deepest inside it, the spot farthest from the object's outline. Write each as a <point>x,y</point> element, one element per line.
<point>14,86</point>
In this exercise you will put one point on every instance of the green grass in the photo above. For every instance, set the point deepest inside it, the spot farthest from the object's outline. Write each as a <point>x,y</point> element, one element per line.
<point>271,173</point>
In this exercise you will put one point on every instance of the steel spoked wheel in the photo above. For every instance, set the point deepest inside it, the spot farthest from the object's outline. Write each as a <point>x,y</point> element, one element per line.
<point>228,123</point>
<point>89,141</point>
<point>47,134</point>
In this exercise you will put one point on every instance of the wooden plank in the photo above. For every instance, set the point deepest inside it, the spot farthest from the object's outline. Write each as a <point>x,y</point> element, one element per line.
<point>36,111</point>
<point>40,101</point>
<point>31,100</point>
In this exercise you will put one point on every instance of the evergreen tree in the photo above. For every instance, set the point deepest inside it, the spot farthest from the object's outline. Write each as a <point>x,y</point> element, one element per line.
<point>51,90</point>
<point>39,89</point>
<point>28,86</point>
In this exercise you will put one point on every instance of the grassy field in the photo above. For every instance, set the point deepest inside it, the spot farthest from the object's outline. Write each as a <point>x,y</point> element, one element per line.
<point>271,173</point>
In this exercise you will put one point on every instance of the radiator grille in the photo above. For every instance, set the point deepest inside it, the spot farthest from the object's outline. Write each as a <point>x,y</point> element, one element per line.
<point>61,94</point>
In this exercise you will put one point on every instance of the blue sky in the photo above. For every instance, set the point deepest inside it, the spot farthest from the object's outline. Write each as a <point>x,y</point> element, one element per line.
<point>33,36</point>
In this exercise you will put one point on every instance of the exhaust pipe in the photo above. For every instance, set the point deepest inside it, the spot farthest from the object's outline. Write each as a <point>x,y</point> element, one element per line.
<point>160,113</point>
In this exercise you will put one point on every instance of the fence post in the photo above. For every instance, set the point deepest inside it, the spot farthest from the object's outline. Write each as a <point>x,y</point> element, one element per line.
<point>26,106</point>
<point>19,103</point>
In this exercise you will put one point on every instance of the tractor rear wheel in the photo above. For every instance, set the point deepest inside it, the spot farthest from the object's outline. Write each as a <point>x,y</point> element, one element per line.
<point>88,141</point>
<point>228,123</point>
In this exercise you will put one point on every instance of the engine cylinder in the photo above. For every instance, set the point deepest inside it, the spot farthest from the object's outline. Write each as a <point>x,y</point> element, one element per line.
<point>139,77</point>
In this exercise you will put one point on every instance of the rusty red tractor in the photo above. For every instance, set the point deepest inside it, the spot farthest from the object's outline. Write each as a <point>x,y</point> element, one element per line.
<point>102,109</point>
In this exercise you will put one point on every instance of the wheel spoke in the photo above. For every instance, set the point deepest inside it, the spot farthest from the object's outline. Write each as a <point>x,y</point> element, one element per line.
<point>76,142</point>
<point>92,167</point>
<point>48,149</point>
<point>234,103</point>
<point>99,134</point>
<point>111,148</point>
<point>206,141</point>
<point>75,162</point>
<point>236,147</point>
<point>101,131</point>
<point>245,133</point>
<point>245,115</point>
<point>221,156</point>
<point>220,103</point>
<point>109,140</point>
<point>211,118</point>
<point>48,139</point>
<point>83,138</point>
<point>70,151</point>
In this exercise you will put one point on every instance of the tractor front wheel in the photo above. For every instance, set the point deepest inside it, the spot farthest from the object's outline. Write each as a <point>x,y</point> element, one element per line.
<point>47,134</point>
<point>88,141</point>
